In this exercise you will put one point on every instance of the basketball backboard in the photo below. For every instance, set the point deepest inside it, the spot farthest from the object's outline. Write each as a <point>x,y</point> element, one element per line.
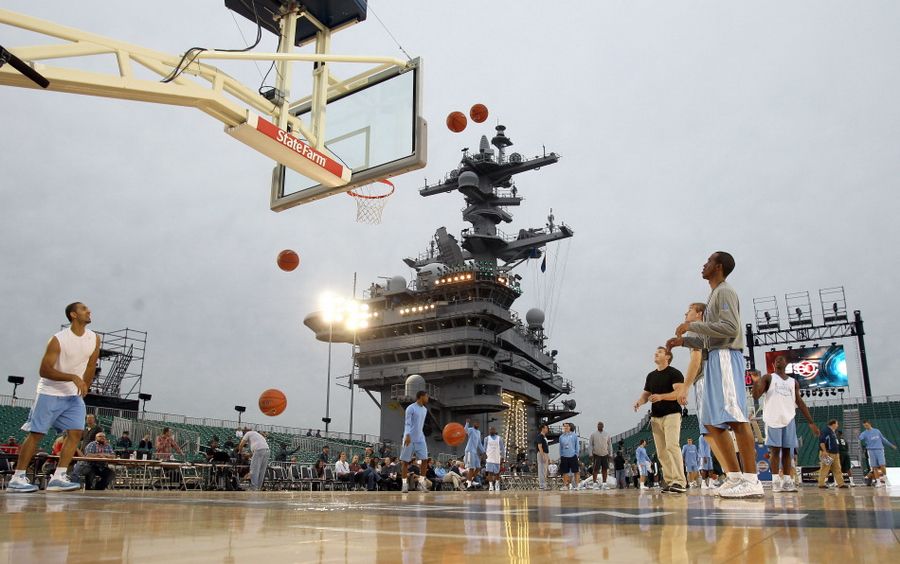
<point>374,127</point>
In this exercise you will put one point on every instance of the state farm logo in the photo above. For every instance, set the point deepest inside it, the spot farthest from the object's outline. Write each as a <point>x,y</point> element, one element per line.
<point>805,369</point>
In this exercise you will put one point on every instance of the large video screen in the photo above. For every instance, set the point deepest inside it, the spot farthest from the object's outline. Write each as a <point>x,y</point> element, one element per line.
<point>820,367</point>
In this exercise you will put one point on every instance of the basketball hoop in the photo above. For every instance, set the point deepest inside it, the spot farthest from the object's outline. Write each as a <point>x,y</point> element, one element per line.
<point>371,199</point>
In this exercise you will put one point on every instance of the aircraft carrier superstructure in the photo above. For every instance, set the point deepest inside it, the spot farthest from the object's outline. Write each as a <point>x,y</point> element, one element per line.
<point>452,331</point>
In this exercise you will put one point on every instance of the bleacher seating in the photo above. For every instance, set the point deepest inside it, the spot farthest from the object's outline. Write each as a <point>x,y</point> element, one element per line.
<point>12,418</point>
<point>884,415</point>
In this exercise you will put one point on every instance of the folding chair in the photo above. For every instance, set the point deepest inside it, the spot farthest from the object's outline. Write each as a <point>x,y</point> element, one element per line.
<point>6,472</point>
<point>294,480</point>
<point>307,477</point>
<point>191,478</point>
<point>330,480</point>
<point>279,479</point>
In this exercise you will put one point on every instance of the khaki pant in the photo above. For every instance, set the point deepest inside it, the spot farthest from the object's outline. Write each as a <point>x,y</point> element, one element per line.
<point>667,436</point>
<point>453,478</point>
<point>834,467</point>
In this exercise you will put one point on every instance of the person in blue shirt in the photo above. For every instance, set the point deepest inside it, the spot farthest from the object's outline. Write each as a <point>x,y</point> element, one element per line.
<point>643,462</point>
<point>474,450</point>
<point>874,442</point>
<point>705,455</point>
<point>568,454</point>
<point>690,455</point>
<point>414,445</point>
<point>830,456</point>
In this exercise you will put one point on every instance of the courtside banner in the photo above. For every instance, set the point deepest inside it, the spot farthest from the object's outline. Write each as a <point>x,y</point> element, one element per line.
<point>294,153</point>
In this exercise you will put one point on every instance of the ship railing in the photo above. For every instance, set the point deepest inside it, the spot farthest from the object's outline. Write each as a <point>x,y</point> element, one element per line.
<point>554,407</point>
<point>400,394</point>
<point>499,234</point>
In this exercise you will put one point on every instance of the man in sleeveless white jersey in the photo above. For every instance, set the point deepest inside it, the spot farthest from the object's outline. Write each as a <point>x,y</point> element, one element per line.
<point>495,452</point>
<point>67,370</point>
<point>782,400</point>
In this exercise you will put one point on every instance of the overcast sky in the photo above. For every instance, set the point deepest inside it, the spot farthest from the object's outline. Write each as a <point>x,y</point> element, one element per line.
<point>768,129</point>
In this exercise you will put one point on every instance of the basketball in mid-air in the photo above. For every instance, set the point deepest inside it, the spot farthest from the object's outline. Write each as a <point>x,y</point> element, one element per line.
<point>288,260</point>
<point>454,434</point>
<point>456,122</point>
<point>478,113</point>
<point>272,402</point>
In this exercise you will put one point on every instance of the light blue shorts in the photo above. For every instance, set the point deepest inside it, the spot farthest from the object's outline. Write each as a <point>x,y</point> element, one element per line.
<point>644,468</point>
<point>782,437</point>
<point>472,460</point>
<point>876,457</point>
<point>698,401</point>
<point>63,413</point>
<point>691,467</point>
<point>724,397</point>
<point>495,468</point>
<point>417,449</point>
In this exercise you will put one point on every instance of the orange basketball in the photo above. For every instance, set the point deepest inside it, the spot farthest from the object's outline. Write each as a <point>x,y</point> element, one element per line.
<point>454,434</point>
<point>456,122</point>
<point>288,260</point>
<point>272,402</point>
<point>478,113</point>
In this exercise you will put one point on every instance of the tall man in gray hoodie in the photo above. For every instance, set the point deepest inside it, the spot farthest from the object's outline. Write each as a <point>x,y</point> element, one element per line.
<point>724,401</point>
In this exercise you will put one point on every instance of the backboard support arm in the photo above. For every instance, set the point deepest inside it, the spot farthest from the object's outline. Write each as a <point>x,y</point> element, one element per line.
<point>215,93</point>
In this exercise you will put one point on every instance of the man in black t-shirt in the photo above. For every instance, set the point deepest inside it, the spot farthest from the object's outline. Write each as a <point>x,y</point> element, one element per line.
<point>665,418</point>
<point>619,466</point>
<point>542,447</point>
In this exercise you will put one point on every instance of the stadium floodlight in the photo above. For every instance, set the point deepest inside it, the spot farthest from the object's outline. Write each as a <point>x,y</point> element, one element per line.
<point>766,313</point>
<point>16,381</point>
<point>799,309</point>
<point>144,398</point>
<point>834,305</point>
<point>240,409</point>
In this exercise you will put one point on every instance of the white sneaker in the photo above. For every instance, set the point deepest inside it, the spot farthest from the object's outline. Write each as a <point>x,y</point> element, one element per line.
<point>777,484</point>
<point>491,487</point>
<point>788,485</point>
<point>643,487</point>
<point>20,484</point>
<point>743,490</point>
<point>727,486</point>
<point>879,483</point>
<point>571,487</point>
<point>63,484</point>
<point>703,486</point>
<point>404,488</point>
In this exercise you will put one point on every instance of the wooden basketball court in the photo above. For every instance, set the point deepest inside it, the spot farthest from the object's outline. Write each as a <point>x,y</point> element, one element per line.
<point>846,526</point>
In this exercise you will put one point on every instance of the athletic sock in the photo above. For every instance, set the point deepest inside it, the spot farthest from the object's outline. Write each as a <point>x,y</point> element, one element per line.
<point>750,477</point>
<point>19,474</point>
<point>733,476</point>
<point>60,472</point>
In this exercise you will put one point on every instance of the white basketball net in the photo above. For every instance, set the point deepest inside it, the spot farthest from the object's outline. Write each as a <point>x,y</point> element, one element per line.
<point>370,200</point>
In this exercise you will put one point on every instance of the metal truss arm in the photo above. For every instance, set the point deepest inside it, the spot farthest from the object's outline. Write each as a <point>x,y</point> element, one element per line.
<point>804,334</point>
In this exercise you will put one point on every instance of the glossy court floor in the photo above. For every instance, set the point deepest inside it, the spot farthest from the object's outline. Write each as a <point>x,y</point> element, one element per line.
<point>845,526</point>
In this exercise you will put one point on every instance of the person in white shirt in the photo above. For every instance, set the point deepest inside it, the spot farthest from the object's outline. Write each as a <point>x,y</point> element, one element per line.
<point>782,400</point>
<point>495,451</point>
<point>259,460</point>
<point>67,370</point>
<point>601,447</point>
<point>342,468</point>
